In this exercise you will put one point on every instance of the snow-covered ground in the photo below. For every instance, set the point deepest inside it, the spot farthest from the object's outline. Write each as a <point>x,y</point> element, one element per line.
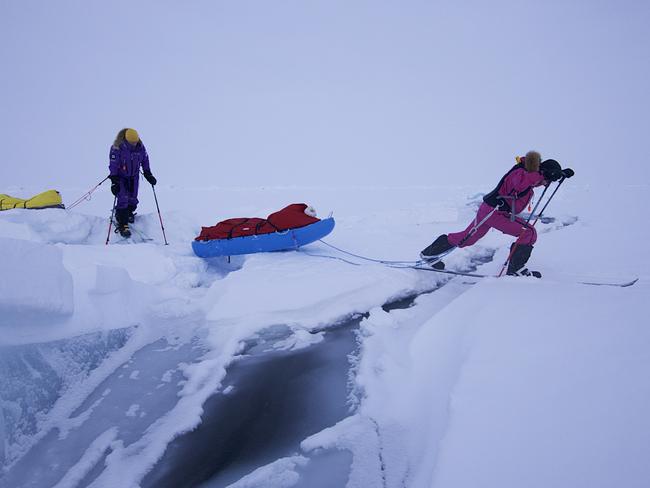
<point>109,353</point>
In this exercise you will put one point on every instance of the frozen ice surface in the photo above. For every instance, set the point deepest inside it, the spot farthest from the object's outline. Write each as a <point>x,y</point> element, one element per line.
<point>429,377</point>
<point>34,376</point>
<point>74,444</point>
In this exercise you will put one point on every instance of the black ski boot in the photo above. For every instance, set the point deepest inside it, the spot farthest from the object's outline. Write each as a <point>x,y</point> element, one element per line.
<point>526,272</point>
<point>123,230</point>
<point>436,248</point>
<point>122,222</point>
<point>518,260</point>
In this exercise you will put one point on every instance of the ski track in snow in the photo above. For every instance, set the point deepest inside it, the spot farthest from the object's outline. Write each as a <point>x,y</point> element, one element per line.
<point>176,305</point>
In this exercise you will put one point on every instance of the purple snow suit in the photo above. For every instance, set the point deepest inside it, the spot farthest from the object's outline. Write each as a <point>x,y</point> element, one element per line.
<point>518,183</point>
<point>125,162</point>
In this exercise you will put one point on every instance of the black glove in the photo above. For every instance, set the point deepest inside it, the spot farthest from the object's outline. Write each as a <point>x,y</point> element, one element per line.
<point>115,186</point>
<point>150,178</point>
<point>568,172</point>
<point>552,174</point>
<point>551,170</point>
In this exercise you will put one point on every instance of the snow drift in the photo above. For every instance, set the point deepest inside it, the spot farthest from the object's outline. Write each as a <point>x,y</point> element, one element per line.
<point>35,287</point>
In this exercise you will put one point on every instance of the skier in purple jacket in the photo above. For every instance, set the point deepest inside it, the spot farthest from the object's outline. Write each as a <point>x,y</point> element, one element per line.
<point>127,155</point>
<point>499,210</point>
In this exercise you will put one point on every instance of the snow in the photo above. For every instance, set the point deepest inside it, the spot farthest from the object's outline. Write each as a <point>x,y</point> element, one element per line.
<point>38,293</point>
<point>294,296</point>
<point>358,435</point>
<point>514,376</point>
<point>93,454</point>
<point>133,410</point>
<point>510,382</point>
<point>572,411</point>
<point>280,474</point>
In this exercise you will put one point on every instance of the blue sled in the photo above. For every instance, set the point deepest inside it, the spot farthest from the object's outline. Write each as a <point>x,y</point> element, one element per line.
<point>277,241</point>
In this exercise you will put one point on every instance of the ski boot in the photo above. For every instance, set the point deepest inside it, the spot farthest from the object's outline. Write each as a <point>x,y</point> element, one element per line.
<point>433,253</point>
<point>525,272</point>
<point>122,220</point>
<point>123,230</point>
<point>518,260</point>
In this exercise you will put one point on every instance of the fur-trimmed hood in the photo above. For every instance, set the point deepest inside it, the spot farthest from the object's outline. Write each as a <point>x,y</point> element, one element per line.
<point>532,161</point>
<point>119,138</point>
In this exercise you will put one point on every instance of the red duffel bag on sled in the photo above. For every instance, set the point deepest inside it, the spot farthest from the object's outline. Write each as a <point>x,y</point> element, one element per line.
<point>293,226</point>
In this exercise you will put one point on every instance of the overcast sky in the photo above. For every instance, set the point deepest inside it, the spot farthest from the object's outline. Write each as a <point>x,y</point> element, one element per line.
<point>323,92</point>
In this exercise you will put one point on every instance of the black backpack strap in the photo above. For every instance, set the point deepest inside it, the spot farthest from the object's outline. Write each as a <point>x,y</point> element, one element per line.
<point>492,198</point>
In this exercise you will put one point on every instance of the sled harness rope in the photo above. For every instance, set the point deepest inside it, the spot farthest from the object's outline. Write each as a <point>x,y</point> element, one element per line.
<point>86,196</point>
<point>407,263</point>
<point>365,258</point>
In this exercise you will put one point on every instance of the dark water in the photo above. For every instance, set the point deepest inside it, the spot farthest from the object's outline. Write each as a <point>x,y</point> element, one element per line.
<point>278,399</point>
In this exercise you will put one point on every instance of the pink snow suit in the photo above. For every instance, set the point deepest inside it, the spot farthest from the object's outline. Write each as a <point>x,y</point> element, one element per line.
<point>517,186</point>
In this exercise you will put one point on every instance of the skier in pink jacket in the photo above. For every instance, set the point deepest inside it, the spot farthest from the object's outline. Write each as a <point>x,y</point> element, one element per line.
<point>499,210</point>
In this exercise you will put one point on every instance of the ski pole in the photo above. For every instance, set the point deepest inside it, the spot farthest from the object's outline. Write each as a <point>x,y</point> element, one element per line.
<point>159,216</point>
<point>110,222</point>
<point>516,243</point>
<point>566,173</point>
<point>87,195</point>
<point>541,197</point>
<point>541,212</point>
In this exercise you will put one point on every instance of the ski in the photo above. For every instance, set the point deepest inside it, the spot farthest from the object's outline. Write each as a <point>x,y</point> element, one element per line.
<point>140,234</point>
<point>623,284</point>
<point>436,262</point>
<point>136,237</point>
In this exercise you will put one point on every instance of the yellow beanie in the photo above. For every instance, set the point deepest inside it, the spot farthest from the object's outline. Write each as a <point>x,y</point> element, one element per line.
<point>132,136</point>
